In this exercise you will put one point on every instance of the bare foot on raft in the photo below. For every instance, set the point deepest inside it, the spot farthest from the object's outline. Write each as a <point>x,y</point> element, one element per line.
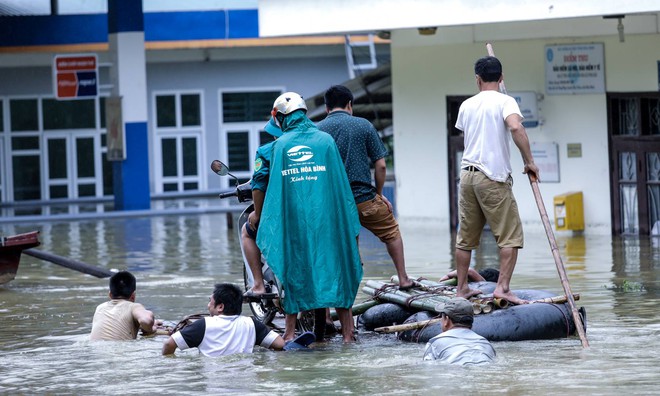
<point>467,293</point>
<point>406,285</point>
<point>510,297</point>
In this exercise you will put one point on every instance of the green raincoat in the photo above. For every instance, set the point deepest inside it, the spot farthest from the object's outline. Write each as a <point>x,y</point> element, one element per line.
<point>309,222</point>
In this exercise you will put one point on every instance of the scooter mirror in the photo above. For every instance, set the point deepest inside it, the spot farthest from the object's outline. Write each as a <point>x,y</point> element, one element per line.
<point>219,168</point>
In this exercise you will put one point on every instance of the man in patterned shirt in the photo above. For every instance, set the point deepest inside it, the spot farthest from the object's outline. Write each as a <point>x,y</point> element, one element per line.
<point>360,147</point>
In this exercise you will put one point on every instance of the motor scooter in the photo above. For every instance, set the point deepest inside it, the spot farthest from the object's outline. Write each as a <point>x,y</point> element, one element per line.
<point>265,309</point>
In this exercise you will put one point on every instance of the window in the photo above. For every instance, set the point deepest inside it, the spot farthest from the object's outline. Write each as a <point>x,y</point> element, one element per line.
<point>179,134</point>
<point>27,177</point>
<point>247,106</point>
<point>244,115</point>
<point>165,111</point>
<point>190,110</point>
<point>69,114</point>
<point>238,151</point>
<point>24,115</point>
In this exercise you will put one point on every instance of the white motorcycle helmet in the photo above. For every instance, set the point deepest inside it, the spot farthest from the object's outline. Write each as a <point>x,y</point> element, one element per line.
<point>289,102</point>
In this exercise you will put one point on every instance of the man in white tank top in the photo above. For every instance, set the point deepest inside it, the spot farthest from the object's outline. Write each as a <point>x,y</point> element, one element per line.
<point>489,120</point>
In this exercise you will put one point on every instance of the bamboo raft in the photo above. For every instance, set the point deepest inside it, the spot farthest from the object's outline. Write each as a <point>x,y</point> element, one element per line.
<point>413,314</point>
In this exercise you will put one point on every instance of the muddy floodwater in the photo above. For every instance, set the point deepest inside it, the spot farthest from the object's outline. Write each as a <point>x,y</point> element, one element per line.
<point>46,313</point>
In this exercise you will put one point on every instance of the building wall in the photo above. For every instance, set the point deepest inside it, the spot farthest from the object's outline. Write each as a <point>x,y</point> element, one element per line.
<point>307,76</point>
<point>425,71</point>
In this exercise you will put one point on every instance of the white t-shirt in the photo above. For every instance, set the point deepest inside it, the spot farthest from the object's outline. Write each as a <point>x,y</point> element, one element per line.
<point>224,335</point>
<point>461,346</point>
<point>486,136</point>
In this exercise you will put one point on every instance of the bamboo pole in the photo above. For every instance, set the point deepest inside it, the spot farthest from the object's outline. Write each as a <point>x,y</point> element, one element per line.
<point>375,288</point>
<point>556,299</point>
<point>357,309</point>
<point>407,326</point>
<point>449,284</point>
<point>426,301</point>
<point>482,305</point>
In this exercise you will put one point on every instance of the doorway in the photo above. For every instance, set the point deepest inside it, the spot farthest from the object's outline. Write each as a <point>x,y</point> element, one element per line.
<point>634,141</point>
<point>454,156</point>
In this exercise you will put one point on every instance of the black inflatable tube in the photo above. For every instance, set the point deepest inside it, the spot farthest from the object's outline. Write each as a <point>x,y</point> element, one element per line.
<point>385,314</point>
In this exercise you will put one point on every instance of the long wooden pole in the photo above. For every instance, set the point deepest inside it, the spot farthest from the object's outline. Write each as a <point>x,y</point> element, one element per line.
<point>553,243</point>
<point>69,263</point>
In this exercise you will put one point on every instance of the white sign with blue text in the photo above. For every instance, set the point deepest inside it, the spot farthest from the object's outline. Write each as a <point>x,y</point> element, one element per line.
<point>574,69</point>
<point>527,101</point>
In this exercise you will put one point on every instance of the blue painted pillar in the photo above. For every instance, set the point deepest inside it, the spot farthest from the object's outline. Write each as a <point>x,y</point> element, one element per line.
<point>129,79</point>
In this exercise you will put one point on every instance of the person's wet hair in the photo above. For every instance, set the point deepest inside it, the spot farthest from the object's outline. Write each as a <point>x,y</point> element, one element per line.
<point>229,295</point>
<point>488,68</point>
<point>337,96</point>
<point>122,285</point>
<point>490,274</point>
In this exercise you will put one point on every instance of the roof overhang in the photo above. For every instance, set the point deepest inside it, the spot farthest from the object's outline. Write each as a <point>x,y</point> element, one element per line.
<point>305,17</point>
<point>372,99</point>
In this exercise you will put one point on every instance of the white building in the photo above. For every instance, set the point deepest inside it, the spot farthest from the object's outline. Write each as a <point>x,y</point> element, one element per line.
<point>593,65</point>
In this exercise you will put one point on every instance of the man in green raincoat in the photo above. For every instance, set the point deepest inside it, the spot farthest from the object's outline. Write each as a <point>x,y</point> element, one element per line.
<point>309,224</point>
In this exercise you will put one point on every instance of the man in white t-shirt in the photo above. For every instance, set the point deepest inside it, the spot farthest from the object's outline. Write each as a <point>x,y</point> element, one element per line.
<point>458,344</point>
<point>226,331</point>
<point>489,120</point>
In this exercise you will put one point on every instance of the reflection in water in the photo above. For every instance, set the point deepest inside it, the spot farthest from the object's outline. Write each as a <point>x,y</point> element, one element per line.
<point>46,316</point>
<point>636,271</point>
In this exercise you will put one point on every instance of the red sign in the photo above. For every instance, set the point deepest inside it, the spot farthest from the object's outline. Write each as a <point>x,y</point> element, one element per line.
<point>75,76</point>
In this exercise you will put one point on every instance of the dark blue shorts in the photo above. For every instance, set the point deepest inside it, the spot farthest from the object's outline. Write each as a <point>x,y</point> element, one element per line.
<point>252,233</point>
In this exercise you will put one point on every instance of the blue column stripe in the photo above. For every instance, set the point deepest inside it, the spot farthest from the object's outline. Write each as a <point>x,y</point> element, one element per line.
<point>125,16</point>
<point>131,177</point>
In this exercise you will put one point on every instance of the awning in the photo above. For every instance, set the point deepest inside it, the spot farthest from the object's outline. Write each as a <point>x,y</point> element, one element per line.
<point>372,92</point>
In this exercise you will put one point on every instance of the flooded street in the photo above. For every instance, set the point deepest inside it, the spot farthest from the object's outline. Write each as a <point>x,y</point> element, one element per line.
<point>46,315</point>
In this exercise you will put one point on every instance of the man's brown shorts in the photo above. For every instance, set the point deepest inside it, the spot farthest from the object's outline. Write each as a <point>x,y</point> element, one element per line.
<point>376,217</point>
<point>483,200</point>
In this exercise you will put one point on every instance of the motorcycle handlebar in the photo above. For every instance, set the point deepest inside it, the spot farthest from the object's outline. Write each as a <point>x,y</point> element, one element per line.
<point>243,192</point>
<point>228,194</point>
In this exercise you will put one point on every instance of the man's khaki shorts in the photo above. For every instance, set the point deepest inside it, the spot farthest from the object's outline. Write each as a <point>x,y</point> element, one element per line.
<point>483,200</point>
<point>376,217</point>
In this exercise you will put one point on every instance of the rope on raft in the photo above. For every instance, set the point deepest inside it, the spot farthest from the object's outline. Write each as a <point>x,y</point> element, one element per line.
<point>383,289</point>
<point>410,299</point>
<point>566,320</point>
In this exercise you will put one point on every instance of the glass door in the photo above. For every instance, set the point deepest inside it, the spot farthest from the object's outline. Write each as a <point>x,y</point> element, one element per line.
<point>180,162</point>
<point>634,132</point>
